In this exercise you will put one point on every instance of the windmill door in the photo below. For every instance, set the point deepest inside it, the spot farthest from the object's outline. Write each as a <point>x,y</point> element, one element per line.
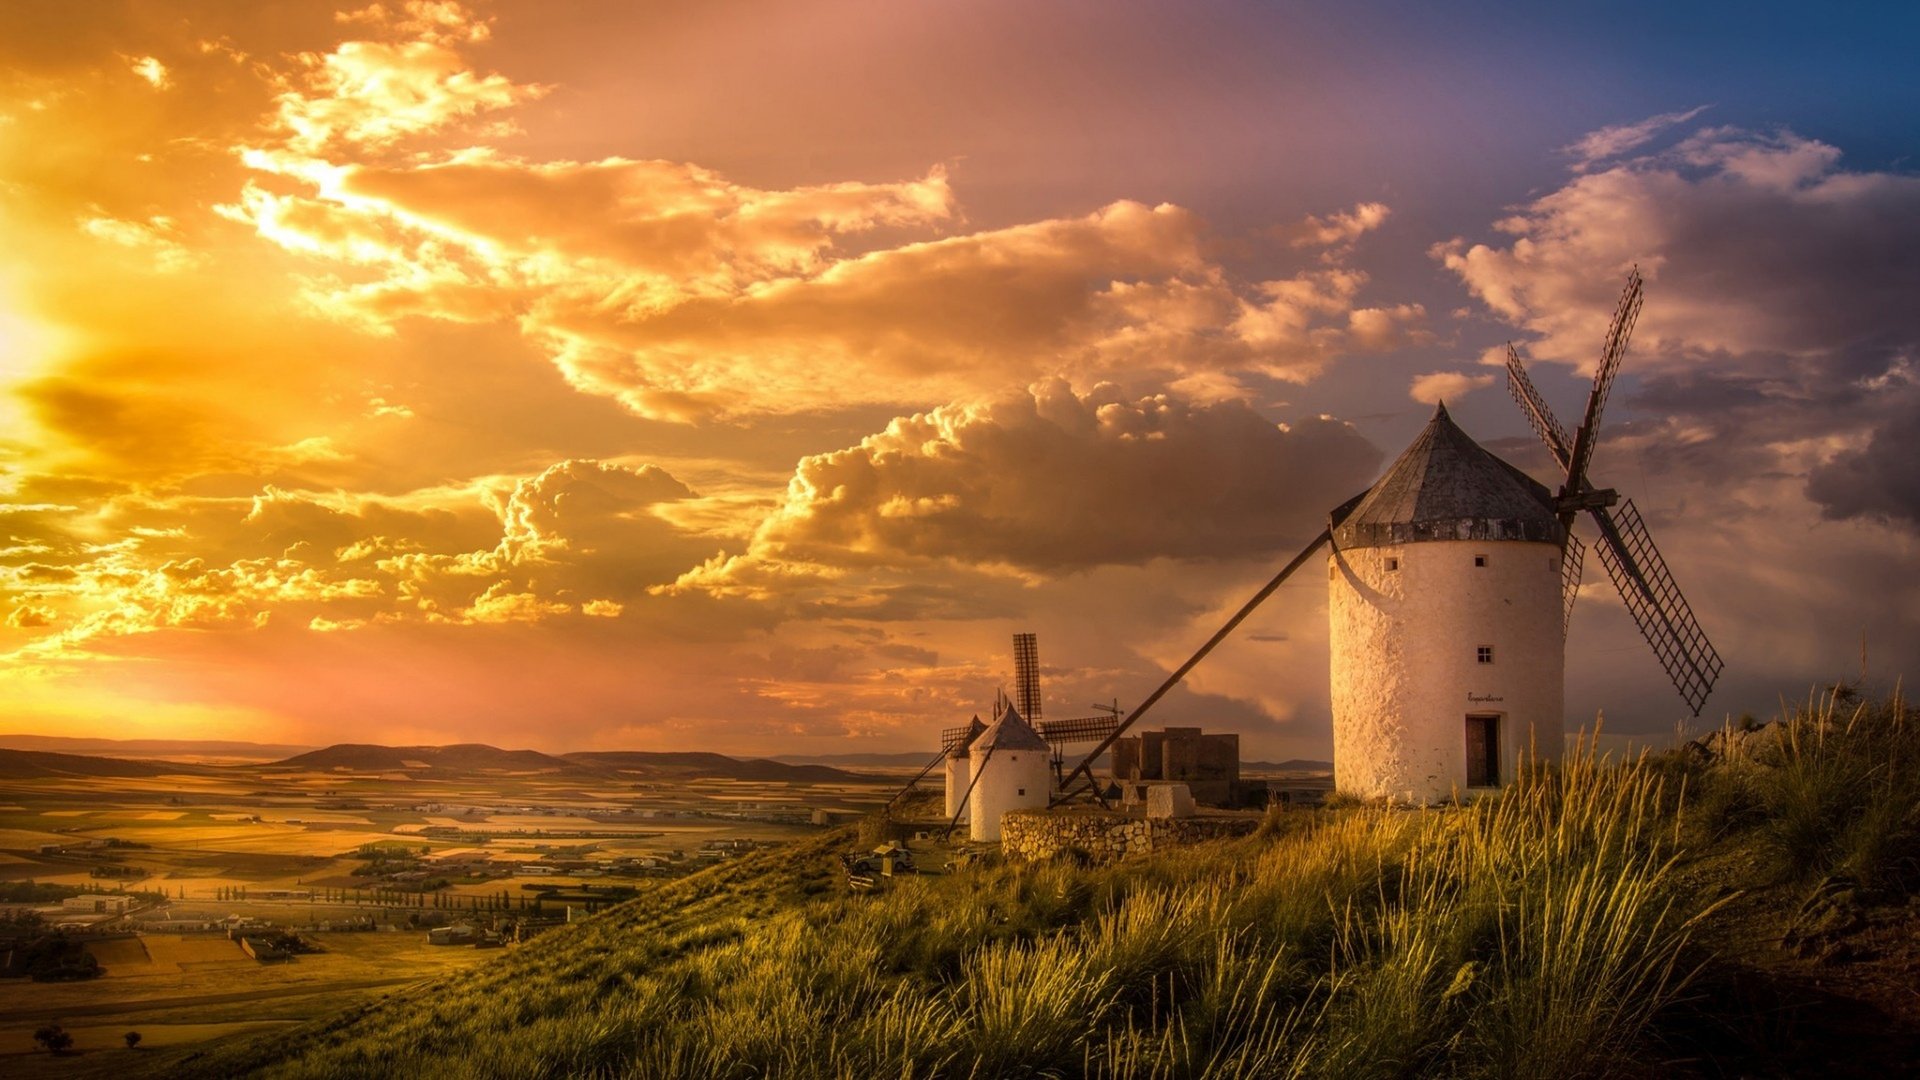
<point>1483,750</point>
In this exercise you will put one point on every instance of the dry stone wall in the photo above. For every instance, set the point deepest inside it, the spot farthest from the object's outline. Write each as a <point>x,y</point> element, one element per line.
<point>1030,835</point>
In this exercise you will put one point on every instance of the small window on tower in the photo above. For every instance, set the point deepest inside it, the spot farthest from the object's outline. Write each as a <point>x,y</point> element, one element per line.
<point>1485,654</point>
<point>1393,564</point>
<point>1333,572</point>
<point>1022,791</point>
<point>1479,560</point>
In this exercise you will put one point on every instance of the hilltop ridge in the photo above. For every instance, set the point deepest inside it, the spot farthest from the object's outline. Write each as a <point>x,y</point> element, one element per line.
<point>38,764</point>
<point>457,756</point>
<point>631,764</point>
<point>694,764</point>
<point>153,748</point>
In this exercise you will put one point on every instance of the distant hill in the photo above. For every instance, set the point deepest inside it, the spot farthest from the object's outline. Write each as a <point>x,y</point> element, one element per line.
<point>1289,765</point>
<point>460,757</point>
<point>694,765</point>
<point>644,764</point>
<point>37,764</point>
<point>152,748</point>
<point>909,759</point>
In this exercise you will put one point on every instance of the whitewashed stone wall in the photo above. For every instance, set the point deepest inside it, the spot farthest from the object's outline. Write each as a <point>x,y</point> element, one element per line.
<point>1006,780</point>
<point>958,774</point>
<point>1405,672</point>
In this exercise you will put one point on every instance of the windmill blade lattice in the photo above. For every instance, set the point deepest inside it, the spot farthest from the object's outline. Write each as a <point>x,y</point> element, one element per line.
<point>1573,559</point>
<point>1656,603</point>
<point>1618,334</point>
<point>1539,417</point>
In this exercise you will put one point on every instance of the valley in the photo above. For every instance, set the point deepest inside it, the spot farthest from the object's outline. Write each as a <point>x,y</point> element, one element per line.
<point>359,850</point>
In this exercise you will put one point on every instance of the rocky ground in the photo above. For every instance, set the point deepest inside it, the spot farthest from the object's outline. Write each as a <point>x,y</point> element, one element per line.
<point>1829,975</point>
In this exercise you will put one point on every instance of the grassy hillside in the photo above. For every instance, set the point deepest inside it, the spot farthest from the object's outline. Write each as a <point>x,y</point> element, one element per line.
<point>1671,916</point>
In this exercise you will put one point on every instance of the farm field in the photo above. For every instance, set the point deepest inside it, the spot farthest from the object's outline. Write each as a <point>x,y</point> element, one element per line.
<point>281,847</point>
<point>178,989</point>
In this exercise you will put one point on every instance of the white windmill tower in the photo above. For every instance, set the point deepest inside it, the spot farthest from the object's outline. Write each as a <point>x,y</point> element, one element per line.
<point>1451,583</point>
<point>1012,770</point>
<point>959,774</point>
<point>1445,612</point>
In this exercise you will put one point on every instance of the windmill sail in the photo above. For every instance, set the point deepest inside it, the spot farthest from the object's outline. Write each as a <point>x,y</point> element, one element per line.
<point>1573,559</point>
<point>1026,675</point>
<point>1535,407</point>
<point>1656,603</point>
<point>1624,316</point>
<point>1626,548</point>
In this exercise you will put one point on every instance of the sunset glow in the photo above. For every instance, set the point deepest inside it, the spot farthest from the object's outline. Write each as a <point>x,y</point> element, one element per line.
<point>740,376</point>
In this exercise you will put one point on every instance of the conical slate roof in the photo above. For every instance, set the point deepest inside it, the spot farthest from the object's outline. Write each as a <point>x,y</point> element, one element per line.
<point>1010,732</point>
<point>1447,487</point>
<point>974,728</point>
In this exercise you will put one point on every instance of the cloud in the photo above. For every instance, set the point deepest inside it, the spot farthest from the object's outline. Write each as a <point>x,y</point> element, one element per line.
<point>690,226</point>
<point>581,537</point>
<point>1337,232</point>
<point>1751,243</point>
<point>1436,386</point>
<point>1050,481</point>
<point>686,295</point>
<point>1610,142</point>
<point>1878,479</point>
<point>372,94</point>
<point>157,236</point>
<point>152,70</point>
<point>27,616</point>
<point>498,605</point>
<point>1377,330</point>
<point>706,298</point>
<point>1779,333</point>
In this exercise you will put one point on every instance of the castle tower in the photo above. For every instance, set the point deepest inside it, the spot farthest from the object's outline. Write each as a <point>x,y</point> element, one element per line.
<point>1011,770</point>
<point>1447,624</point>
<point>959,774</point>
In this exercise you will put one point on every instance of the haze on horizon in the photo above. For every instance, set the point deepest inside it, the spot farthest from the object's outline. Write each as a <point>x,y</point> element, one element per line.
<point>739,376</point>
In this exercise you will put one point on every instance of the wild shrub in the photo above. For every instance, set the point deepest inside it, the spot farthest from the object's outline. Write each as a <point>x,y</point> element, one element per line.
<point>1839,791</point>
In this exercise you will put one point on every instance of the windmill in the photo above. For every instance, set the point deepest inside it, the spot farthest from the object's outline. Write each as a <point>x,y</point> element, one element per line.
<point>1451,585</point>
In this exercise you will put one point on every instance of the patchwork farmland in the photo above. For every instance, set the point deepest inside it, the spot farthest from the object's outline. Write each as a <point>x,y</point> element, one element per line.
<point>355,860</point>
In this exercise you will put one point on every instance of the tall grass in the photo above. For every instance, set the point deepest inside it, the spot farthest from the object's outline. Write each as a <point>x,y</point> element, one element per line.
<point>1534,933</point>
<point>1834,788</point>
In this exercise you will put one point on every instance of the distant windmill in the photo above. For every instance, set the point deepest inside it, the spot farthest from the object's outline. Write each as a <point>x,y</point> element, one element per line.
<point>1026,675</point>
<point>1451,582</point>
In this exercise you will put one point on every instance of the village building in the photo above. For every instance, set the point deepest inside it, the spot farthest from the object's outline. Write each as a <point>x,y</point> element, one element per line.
<point>1207,764</point>
<point>95,904</point>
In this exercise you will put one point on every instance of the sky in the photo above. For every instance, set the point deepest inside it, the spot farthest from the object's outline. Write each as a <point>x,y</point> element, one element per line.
<point>742,375</point>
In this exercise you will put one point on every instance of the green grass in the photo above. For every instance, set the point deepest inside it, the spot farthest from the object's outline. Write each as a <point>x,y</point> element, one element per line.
<point>1542,932</point>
